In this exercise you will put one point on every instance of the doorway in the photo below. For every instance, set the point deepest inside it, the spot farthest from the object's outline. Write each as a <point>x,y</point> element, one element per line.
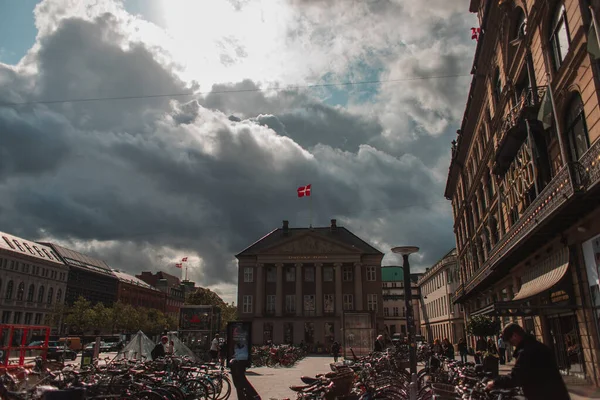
<point>566,344</point>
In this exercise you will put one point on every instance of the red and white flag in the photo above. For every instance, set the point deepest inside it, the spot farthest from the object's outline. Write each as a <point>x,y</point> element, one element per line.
<point>184,259</point>
<point>475,33</point>
<point>178,265</point>
<point>304,191</point>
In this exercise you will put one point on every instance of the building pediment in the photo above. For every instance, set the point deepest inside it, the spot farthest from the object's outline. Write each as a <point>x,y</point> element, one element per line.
<point>310,245</point>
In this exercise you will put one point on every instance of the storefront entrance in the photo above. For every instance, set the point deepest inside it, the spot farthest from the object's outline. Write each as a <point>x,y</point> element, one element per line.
<point>565,336</point>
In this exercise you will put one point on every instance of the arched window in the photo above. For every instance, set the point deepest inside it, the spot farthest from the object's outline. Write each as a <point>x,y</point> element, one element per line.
<point>50,295</point>
<point>576,128</point>
<point>41,294</point>
<point>58,295</point>
<point>559,36</point>
<point>20,291</point>
<point>30,292</point>
<point>497,85</point>
<point>520,25</point>
<point>9,290</point>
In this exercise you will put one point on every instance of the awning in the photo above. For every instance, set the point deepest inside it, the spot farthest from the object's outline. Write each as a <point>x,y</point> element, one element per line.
<point>544,275</point>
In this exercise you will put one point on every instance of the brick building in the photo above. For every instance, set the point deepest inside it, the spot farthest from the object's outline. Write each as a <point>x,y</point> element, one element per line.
<point>171,286</point>
<point>524,177</point>
<point>134,291</point>
<point>295,284</point>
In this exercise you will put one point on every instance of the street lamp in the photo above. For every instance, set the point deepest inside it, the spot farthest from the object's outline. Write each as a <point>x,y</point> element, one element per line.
<point>405,251</point>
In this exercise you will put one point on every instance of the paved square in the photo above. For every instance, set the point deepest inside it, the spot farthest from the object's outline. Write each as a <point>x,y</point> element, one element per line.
<point>275,382</point>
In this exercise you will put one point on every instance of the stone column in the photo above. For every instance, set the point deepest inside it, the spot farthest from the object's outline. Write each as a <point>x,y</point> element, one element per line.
<point>299,299</point>
<point>338,288</point>
<point>260,290</point>
<point>319,288</point>
<point>358,294</point>
<point>279,290</point>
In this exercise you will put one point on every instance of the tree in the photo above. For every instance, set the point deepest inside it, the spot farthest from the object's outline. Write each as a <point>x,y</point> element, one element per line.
<point>206,297</point>
<point>483,326</point>
<point>80,316</point>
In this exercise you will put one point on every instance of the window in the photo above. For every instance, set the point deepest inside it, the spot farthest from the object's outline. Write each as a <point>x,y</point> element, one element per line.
<point>371,275</point>
<point>290,303</point>
<point>31,292</point>
<point>58,295</point>
<point>328,274</point>
<point>17,317</point>
<point>28,318</point>
<point>559,37</point>
<point>347,273</point>
<point>371,302</point>
<point>348,301</point>
<point>396,312</point>
<point>328,303</point>
<point>50,295</point>
<point>386,312</point>
<point>270,304</point>
<point>6,317</point>
<point>271,274</point>
<point>21,291</point>
<point>39,251</point>
<point>38,319</point>
<point>41,294</point>
<point>290,274</point>
<point>18,245</point>
<point>576,128</point>
<point>246,304</point>
<point>9,290</point>
<point>28,248</point>
<point>47,253</point>
<point>8,242</point>
<point>309,303</point>
<point>248,274</point>
<point>309,274</point>
<point>497,85</point>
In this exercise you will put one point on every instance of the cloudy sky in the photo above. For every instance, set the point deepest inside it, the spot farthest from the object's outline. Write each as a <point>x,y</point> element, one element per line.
<point>193,123</point>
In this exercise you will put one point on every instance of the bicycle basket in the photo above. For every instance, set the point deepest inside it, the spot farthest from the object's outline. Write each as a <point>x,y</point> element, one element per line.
<point>444,391</point>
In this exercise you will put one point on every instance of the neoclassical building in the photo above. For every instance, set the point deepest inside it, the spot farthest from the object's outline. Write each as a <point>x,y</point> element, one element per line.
<point>524,178</point>
<point>300,285</point>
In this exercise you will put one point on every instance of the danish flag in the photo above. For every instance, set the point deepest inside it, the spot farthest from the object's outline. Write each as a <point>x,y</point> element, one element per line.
<point>475,33</point>
<point>304,191</point>
<point>184,259</point>
<point>178,265</point>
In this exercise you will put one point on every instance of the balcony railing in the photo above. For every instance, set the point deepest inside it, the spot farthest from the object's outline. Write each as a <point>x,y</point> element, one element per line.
<point>460,290</point>
<point>549,200</point>
<point>590,165</point>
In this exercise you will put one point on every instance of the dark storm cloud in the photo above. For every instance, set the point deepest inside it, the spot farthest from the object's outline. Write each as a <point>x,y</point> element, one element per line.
<point>142,182</point>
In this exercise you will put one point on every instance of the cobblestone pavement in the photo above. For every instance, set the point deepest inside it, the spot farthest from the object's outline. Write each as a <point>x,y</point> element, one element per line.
<point>275,382</point>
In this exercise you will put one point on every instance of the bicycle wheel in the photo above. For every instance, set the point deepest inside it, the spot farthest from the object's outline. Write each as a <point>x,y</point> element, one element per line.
<point>225,386</point>
<point>195,389</point>
<point>175,392</point>
<point>148,395</point>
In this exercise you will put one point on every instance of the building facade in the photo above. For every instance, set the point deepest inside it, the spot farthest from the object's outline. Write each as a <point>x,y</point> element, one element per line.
<point>394,306</point>
<point>298,284</point>
<point>440,317</point>
<point>134,291</point>
<point>88,277</point>
<point>524,177</point>
<point>170,285</point>
<point>33,281</point>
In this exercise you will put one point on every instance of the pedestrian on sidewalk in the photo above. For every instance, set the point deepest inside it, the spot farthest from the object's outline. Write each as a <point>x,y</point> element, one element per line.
<point>502,350</point>
<point>535,369</point>
<point>463,350</point>
<point>335,350</point>
<point>379,344</point>
<point>448,349</point>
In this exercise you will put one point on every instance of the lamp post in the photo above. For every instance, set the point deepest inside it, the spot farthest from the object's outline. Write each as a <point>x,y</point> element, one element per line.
<point>405,251</point>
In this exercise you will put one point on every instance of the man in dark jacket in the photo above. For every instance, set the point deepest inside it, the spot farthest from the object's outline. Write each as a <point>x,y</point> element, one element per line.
<point>535,369</point>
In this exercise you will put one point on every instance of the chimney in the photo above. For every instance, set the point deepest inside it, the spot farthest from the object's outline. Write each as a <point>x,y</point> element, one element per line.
<point>286,226</point>
<point>333,225</point>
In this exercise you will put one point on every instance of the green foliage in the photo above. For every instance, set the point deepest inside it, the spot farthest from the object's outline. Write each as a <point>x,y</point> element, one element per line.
<point>483,326</point>
<point>82,317</point>
<point>206,297</point>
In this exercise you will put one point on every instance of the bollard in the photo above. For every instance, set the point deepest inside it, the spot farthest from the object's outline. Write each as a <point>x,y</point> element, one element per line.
<point>412,391</point>
<point>414,379</point>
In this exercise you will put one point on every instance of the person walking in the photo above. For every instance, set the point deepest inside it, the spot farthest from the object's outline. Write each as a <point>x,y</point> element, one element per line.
<point>448,349</point>
<point>379,345</point>
<point>535,370</point>
<point>214,348</point>
<point>161,348</point>
<point>437,347</point>
<point>335,350</point>
<point>463,350</point>
<point>480,348</point>
<point>502,350</point>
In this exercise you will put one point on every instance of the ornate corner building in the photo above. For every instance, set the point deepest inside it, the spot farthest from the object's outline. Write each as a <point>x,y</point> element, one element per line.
<point>297,284</point>
<point>524,178</point>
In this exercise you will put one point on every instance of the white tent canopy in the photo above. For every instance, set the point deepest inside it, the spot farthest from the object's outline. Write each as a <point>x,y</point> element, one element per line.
<point>139,346</point>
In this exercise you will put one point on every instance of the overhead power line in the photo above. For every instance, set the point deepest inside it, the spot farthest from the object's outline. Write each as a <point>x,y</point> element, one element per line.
<point>185,94</point>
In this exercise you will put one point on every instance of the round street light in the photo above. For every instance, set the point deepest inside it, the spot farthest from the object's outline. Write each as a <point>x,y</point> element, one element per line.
<point>405,251</point>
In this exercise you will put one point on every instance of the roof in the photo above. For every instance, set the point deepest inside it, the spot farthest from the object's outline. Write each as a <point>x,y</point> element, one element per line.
<point>75,259</point>
<point>395,273</point>
<point>20,246</point>
<point>448,258</point>
<point>132,280</point>
<point>340,235</point>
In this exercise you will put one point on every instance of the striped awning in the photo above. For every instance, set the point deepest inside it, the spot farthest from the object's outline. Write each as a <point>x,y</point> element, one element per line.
<point>544,275</point>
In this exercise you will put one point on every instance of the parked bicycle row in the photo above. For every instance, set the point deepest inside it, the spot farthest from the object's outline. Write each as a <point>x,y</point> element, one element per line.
<point>277,356</point>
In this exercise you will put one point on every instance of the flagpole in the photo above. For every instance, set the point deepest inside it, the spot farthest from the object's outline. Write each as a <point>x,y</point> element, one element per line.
<point>595,22</point>
<point>186,267</point>
<point>310,208</point>
<point>563,154</point>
